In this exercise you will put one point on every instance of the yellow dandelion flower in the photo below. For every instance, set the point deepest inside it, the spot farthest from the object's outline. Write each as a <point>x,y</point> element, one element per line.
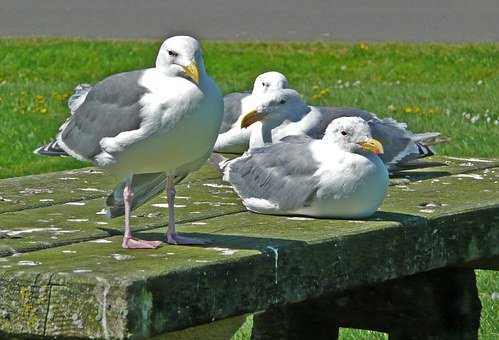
<point>408,109</point>
<point>363,46</point>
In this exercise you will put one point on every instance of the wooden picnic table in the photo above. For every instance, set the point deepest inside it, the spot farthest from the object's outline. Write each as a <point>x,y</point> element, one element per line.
<point>407,271</point>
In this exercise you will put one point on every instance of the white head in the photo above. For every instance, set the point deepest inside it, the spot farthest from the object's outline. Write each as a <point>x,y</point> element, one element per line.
<point>275,106</point>
<point>181,56</point>
<point>352,134</point>
<point>269,81</point>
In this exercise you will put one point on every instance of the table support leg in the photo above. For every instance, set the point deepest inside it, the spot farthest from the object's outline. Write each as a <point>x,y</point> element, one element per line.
<point>293,322</point>
<point>438,305</point>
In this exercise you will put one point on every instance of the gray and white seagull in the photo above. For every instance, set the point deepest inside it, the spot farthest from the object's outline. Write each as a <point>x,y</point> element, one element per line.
<point>297,118</point>
<point>232,138</point>
<point>154,126</point>
<point>339,175</point>
<point>280,113</point>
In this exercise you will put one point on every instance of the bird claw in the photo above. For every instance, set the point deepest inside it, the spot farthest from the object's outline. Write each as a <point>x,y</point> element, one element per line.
<point>134,243</point>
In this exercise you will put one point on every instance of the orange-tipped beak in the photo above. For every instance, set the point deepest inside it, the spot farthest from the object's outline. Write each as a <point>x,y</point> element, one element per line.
<point>372,145</point>
<point>192,71</point>
<point>250,118</point>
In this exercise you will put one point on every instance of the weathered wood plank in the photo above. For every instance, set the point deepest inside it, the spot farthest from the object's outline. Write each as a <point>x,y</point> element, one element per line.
<point>32,229</point>
<point>36,191</point>
<point>256,261</point>
<point>83,184</point>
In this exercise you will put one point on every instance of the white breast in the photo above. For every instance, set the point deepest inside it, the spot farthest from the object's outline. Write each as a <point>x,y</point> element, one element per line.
<point>186,120</point>
<point>351,185</point>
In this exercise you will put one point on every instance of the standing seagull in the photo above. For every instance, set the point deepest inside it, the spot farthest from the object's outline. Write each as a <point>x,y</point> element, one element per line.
<point>339,175</point>
<point>231,137</point>
<point>162,120</point>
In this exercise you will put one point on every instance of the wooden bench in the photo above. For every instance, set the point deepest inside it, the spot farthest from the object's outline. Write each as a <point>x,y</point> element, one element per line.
<point>407,271</point>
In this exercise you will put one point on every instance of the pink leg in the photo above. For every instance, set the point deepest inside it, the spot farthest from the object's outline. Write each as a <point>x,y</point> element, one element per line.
<point>130,242</point>
<point>171,234</point>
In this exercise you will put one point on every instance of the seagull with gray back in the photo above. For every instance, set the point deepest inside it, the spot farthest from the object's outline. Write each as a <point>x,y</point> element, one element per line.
<point>149,127</point>
<point>339,175</point>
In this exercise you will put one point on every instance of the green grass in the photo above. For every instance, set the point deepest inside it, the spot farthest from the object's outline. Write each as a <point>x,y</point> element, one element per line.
<point>448,88</point>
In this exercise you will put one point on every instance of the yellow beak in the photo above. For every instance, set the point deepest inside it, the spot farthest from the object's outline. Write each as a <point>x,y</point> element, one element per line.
<point>250,118</point>
<point>192,71</point>
<point>372,145</point>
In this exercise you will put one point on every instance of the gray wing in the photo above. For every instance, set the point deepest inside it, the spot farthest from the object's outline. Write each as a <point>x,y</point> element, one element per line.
<point>110,107</point>
<point>232,109</point>
<point>398,142</point>
<point>329,113</point>
<point>282,173</point>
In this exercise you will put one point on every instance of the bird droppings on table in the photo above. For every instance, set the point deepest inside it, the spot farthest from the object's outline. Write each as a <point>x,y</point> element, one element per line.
<point>404,188</point>
<point>66,231</point>
<point>101,240</point>
<point>13,233</point>
<point>92,189</point>
<point>214,185</point>
<point>102,299</point>
<point>224,251</point>
<point>275,251</point>
<point>28,263</point>
<point>471,159</point>
<point>165,205</point>
<point>154,214</point>
<point>473,176</point>
<point>77,203</point>
<point>33,191</point>
<point>122,257</point>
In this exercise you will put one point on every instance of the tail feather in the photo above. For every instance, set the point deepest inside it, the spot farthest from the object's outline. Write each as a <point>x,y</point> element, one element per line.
<point>218,161</point>
<point>424,150</point>
<point>430,138</point>
<point>51,149</point>
<point>144,187</point>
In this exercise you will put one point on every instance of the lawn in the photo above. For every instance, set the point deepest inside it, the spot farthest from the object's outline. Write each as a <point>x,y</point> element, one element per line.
<point>448,88</point>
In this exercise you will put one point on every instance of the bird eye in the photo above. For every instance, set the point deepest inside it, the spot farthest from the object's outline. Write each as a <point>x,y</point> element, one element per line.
<point>344,133</point>
<point>265,84</point>
<point>282,102</point>
<point>173,54</point>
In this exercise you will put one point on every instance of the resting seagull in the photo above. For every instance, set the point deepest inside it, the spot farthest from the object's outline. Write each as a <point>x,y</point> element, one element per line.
<point>280,113</point>
<point>161,121</point>
<point>231,137</point>
<point>339,175</point>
